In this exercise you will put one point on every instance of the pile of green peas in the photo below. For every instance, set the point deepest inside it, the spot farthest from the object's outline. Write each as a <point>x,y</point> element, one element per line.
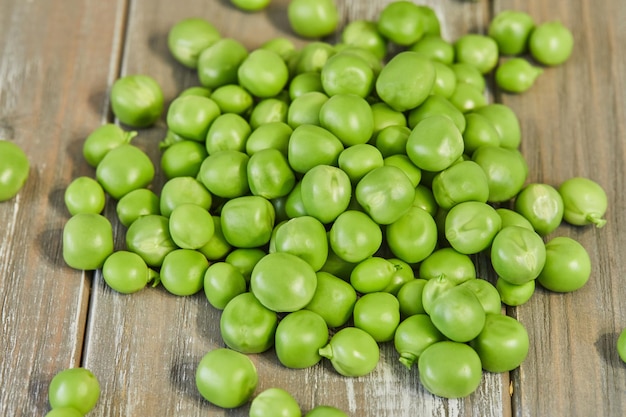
<point>331,198</point>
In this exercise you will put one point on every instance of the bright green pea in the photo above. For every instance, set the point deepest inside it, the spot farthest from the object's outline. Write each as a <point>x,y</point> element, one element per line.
<point>458,314</point>
<point>269,174</point>
<point>191,226</point>
<point>479,131</point>
<point>506,171</point>
<point>251,5</point>
<point>183,159</point>
<point>463,181</point>
<point>445,80</point>
<point>413,335</point>
<point>305,109</point>
<point>305,83</point>
<point>515,295</point>
<point>217,247</point>
<point>430,21</point>
<point>385,193</point>
<point>352,352</point>
<point>518,254</point>
<point>189,37</point>
<point>313,18</point>
<point>471,226</point>
<point>404,163</point>
<point>232,98</point>
<point>87,241</point>
<point>436,48</point>
<point>354,236</point>
<point>466,97</point>
<point>228,131</point>
<point>505,121</point>
<point>137,100</point>
<point>181,190</point>
<point>364,34</point>
<point>137,203</point>
<point>224,174</point>
<point>223,282</point>
<point>247,326</point>
<point>378,313</point>
<point>347,73</point>
<point>182,271</point>
<point>333,300</point>
<point>433,288</point>
<point>282,46</point>
<point>299,336</point>
<point>313,56</point>
<point>126,272</point>
<point>567,267</point>
<point>511,30</point>
<point>517,75</point>
<point>64,412</point>
<point>425,200</point>
<point>247,221</point>
<point>513,218</point>
<point>392,140</point>
<point>102,140</point>
<point>413,236</point>
<point>469,74</point>
<point>503,343</point>
<point>244,259</point>
<point>437,105</point>
<point>584,200</point>
<point>358,160</point>
<point>551,43</point>
<point>447,262</point>
<point>326,192</point>
<point>410,297</point>
<point>273,135</point>
<point>402,275</point>
<point>274,402</point>
<point>406,81</point>
<point>375,64</point>
<point>542,205</point>
<point>435,143</point>
<point>74,388</point>
<point>190,116</point>
<point>294,207</point>
<point>263,73</point>
<point>311,146</point>
<point>385,116</point>
<point>268,110</point>
<point>478,50</point>
<point>218,63</point>
<point>401,22</point>
<point>304,237</point>
<point>486,293</point>
<point>196,90</point>
<point>149,237</point>
<point>84,195</point>
<point>372,274</point>
<point>349,117</point>
<point>325,411</point>
<point>124,169</point>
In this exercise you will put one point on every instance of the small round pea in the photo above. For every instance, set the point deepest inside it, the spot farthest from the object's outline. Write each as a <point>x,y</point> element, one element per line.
<point>228,131</point>
<point>268,110</point>
<point>463,181</point>
<point>263,73</point>
<point>87,241</point>
<point>478,50</point>
<point>273,135</point>
<point>149,237</point>
<point>84,195</point>
<point>124,169</point>
<point>282,46</point>
<point>437,105</point>
<point>479,131</point>
<point>232,98</point>
<point>505,121</point>
<point>401,22</point>
<point>313,56</point>
<point>182,272</point>
<point>506,171</point>
<point>471,226</point>
<point>436,48</point>
<point>218,64</point>
<point>542,205</point>
<point>102,140</point>
<point>305,83</point>
<point>191,226</point>
<point>515,294</point>
<point>364,34</point>
<point>435,143</point>
<point>181,190</point>
<point>251,5</point>
<point>190,116</point>
<point>137,203</point>
<point>183,159</point>
<point>584,200</point>
<point>305,109</point>
<point>126,272</point>
<point>349,117</point>
<point>137,100</point>
<point>469,74</point>
<point>466,97</point>
<point>392,140</point>
<point>567,267</point>
<point>517,75</point>
<point>189,37</point>
<point>346,73</point>
<point>313,18</point>
<point>518,254</point>
<point>551,43</point>
<point>511,30</point>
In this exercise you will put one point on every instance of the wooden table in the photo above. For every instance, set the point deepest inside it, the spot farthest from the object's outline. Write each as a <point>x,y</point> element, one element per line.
<point>58,60</point>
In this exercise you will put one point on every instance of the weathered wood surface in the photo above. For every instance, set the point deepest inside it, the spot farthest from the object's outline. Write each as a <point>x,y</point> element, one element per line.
<point>58,60</point>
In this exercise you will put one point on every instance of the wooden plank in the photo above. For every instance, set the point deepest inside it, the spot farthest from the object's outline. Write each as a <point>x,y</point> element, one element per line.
<point>145,347</point>
<point>54,70</point>
<point>574,124</point>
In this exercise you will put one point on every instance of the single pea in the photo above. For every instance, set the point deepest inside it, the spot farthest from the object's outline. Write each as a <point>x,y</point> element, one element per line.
<point>124,169</point>
<point>283,46</point>
<point>413,236</point>
<point>304,237</point>
<point>621,345</point>
<point>74,388</point>
<point>437,105</point>
<point>333,300</point>
<point>313,56</point>
<point>486,293</point>
<point>463,181</point>
<point>392,140</point>
<point>466,97</point>
<point>349,117</point>
<point>372,274</point>
<point>247,221</point>
<point>542,205</point>
<point>217,248</point>
<point>183,159</point>
<point>232,98</point>
<point>126,272</point>
<point>385,193</point>
<point>435,143</point>
<point>247,326</point>
<point>551,43</point>
<point>445,80</point>
<point>137,203</point>
<point>364,34</point>
<point>406,81</point>
<point>305,109</point>
<point>512,218</point>
<point>196,90</point>
<point>425,199</point>
<point>189,37</point>
<point>478,50</point>
<point>269,174</point>
<point>191,226</point>
<point>458,314</point>
<point>471,226</point>
<point>137,100</point>
<point>430,20</point>
<point>84,195</point>
<point>326,192</point>
<point>515,295</point>
<point>401,22</point>
<point>517,75</point>
<point>305,83</point>
<point>410,297</point>
<point>218,63</point>
<point>311,146</point>
<point>244,259</point>
<point>228,131</point>
<point>404,163</point>
<point>567,267</point>
<point>102,140</point>
<point>584,200</point>
<point>354,236</point>
<point>274,402</point>
<point>149,237</point>
<point>268,110</point>
<point>251,5</point>
<point>511,30</point>
<point>313,18</point>
<point>190,116</point>
<point>263,73</point>
<point>518,254</point>
<point>503,343</point>
<point>358,160</point>
<point>413,335</point>
<point>469,74</point>
<point>325,411</point>
<point>455,266</point>
<point>403,274</point>
<point>182,271</point>
<point>479,131</point>
<point>222,283</point>
<point>505,121</point>
<point>385,116</point>
<point>87,241</point>
<point>181,190</point>
<point>352,352</point>
<point>506,171</point>
<point>433,288</point>
<point>436,48</point>
<point>346,73</point>
<point>273,135</point>
<point>378,313</point>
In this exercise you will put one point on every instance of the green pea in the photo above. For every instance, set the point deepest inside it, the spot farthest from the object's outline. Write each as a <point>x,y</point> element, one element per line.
<point>479,131</point>
<point>469,74</point>
<point>313,18</point>
<point>313,56</point>
<point>251,5</point>
<point>189,37</point>
<point>217,248</point>
<point>269,174</point>
<point>333,300</point>
<point>137,100</point>
<point>225,174</point>
<point>436,48</point>
<point>404,273</point>
<point>551,43</point>
<point>305,109</point>
<point>364,34</point>
<point>84,195</point>
<point>518,254</point>
<point>447,262</point>
<point>378,313</point>
<point>464,181</point>
<point>435,143</point>
<point>273,135</point>
<point>247,221</point>
<point>325,411</point>
<point>486,293</point>
<point>425,200</point>
<point>406,81</point>
<point>437,105</point>
<point>511,30</point>
<point>182,271</point>
<point>413,335</point>
<point>196,90</point>
<point>87,241</point>
<point>126,272</point>
<point>244,259</point>
<point>471,226</point>
<point>228,131</point>
<point>268,110</point>
<point>305,83</point>
<point>191,226</point>
<point>299,336</point>
<point>181,190</point>
<point>183,159</point>
<point>304,237</point>
<point>410,297</point>
<point>223,282</point>
<point>513,218</point>
<point>404,163</point>
<point>232,98</point>
<point>263,73</point>
<point>352,352</point>
<point>372,275</point>
<point>458,314</point>
<point>102,140</point>
<point>247,326</point>
<point>466,97</point>
<point>433,288</point>
<point>413,236</point>
<point>445,80</point>
<point>584,200</point>
<point>401,22</point>
<point>349,117</point>
<point>542,205</point>
<point>190,116</point>
<point>481,51</point>
<point>430,21</point>
<point>567,267</point>
<point>392,140</point>
<point>385,193</point>
<point>621,345</point>
<point>311,146</point>
<point>137,203</point>
<point>218,63</point>
<point>326,192</point>
<point>124,169</point>
<point>358,160</point>
<point>505,121</point>
<point>375,64</point>
<point>346,73</point>
<point>506,171</point>
<point>385,116</point>
<point>515,295</point>
<point>149,237</point>
<point>282,46</point>
<point>516,75</point>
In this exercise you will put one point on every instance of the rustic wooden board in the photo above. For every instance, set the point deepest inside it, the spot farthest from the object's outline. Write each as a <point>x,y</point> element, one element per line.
<point>54,69</point>
<point>574,124</point>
